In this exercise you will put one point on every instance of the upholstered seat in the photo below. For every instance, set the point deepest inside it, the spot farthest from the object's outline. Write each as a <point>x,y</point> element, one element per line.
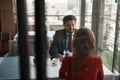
<point>4,38</point>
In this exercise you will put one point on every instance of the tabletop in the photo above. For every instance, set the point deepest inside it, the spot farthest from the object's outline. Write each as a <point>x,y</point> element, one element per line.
<point>9,69</point>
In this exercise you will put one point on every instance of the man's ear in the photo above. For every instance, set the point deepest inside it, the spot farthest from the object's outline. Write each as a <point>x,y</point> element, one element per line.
<point>63,24</point>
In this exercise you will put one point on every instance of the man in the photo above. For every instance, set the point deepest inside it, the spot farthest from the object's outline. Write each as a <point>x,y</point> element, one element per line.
<point>61,37</point>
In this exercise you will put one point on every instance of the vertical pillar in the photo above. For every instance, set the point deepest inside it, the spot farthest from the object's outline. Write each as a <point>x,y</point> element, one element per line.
<point>97,21</point>
<point>83,9</point>
<point>41,41</point>
<point>22,40</point>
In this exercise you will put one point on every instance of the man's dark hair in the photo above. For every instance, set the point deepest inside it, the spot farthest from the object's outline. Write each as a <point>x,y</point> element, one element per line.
<point>69,18</point>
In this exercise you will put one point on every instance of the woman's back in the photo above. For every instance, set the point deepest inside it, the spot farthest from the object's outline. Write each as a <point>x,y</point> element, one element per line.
<point>84,64</point>
<point>90,68</point>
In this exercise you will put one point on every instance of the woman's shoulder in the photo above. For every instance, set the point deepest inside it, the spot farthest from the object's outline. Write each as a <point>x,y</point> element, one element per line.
<point>94,58</point>
<point>67,59</point>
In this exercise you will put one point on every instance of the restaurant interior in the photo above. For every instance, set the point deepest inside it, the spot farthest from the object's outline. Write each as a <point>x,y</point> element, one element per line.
<point>27,28</point>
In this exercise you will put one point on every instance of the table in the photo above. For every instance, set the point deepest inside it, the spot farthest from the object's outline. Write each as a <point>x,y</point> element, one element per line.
<point>13,44</point>
<point>9,69</point>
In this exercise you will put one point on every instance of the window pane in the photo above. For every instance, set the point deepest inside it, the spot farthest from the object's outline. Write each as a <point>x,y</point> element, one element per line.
<point>117,54</point>
<point>56,9</point>
<point>109,25</point>
<point>30,14</point>
<point>88,14</point>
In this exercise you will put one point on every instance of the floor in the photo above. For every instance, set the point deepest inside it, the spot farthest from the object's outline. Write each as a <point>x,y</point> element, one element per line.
<point>3,56</point>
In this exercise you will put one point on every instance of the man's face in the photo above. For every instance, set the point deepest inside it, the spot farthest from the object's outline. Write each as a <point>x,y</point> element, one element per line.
<point>69,26</point>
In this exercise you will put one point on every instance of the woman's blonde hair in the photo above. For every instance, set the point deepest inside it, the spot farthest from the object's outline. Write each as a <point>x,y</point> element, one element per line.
<point>83,45</point>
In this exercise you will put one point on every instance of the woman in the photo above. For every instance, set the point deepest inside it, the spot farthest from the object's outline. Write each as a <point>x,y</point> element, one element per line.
<point>84,64</point>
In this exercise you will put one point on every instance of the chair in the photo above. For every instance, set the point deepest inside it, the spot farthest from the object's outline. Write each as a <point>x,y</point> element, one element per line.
<point>4,39</point>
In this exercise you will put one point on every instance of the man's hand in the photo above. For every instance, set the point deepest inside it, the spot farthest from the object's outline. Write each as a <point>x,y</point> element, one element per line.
<point>60,57</point>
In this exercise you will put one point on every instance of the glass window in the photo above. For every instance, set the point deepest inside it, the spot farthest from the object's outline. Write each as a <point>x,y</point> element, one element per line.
<point>30,14</point>
<point>56,9</point>
<point>117,57</point>
<point>88,13</point>
<point>109,26</point>
<point>116,66</point>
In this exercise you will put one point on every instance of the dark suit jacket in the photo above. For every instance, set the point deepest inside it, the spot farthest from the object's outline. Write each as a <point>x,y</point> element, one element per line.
<point>90,69</point>
<point>59,43</point>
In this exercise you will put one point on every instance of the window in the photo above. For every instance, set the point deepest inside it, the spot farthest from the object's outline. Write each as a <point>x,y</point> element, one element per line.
<point>57,9</point>
<point>88,13</point>
<point>107,50</point>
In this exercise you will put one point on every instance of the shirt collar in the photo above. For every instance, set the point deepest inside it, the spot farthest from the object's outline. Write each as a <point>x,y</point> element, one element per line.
<point>69,33</point>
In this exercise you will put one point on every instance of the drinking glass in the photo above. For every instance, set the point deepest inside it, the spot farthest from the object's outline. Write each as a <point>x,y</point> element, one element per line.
<point>66,52</point>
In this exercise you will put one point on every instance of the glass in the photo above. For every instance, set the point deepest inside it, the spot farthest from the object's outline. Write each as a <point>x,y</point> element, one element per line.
<point>62,7</point>
<point>55,10</point>
<point>54,62</point>
<point>109,26</point>
<point>117,53</point>
<point>67,53</point>
<point>88,13</point>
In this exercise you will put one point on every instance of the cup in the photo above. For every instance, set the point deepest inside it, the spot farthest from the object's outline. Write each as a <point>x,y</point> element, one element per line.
<point>67,53</point>
<point>55,61</point>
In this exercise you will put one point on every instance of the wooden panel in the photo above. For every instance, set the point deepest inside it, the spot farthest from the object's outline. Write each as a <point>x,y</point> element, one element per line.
<point>7,17</point>
<point>6,21</point>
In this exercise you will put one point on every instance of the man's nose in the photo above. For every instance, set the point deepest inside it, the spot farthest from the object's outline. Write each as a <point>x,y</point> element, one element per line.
<point>71,27</point>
